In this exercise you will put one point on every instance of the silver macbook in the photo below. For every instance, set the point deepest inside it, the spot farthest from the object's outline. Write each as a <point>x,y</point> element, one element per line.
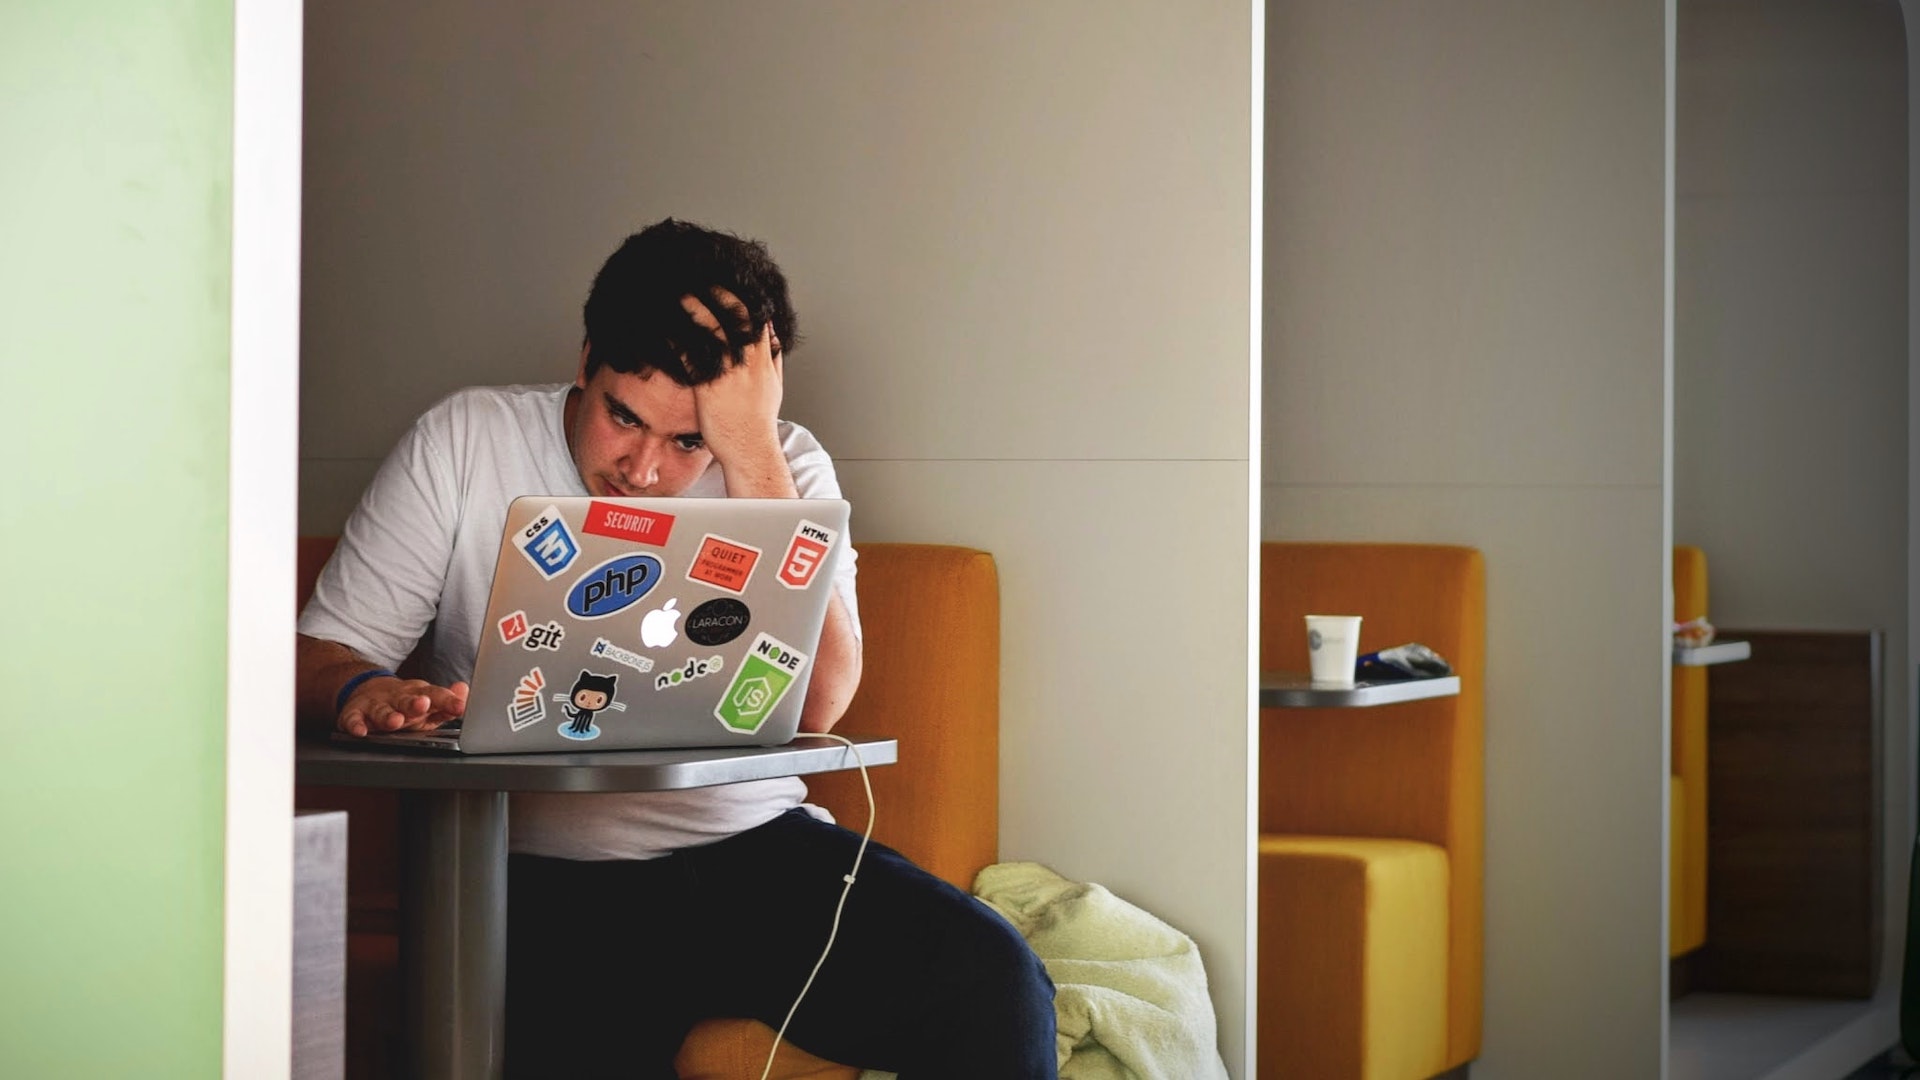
<point>618,624</point>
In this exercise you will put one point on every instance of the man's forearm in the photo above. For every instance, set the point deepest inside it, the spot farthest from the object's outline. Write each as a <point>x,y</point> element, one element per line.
<point>837,664</point>
<point>759,474</point>
<point>321,668</point>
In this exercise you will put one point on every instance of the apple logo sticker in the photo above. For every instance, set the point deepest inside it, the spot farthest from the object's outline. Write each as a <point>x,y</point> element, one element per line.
<point>657,630</point>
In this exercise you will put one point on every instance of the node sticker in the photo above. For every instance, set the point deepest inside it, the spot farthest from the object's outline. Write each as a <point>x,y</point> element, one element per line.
<point>528,707</point>
<point>689,671</point>
<point>760,683</point>
<point>805,552</point>
<point>547,544</point>
<point>627,523</point>
<point>724,564</point>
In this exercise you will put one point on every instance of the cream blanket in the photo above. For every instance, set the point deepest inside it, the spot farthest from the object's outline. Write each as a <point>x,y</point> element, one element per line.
<point>1130,991</point>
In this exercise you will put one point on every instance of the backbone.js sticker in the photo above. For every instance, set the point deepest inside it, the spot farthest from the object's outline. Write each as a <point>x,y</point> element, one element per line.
<point>759,683</point>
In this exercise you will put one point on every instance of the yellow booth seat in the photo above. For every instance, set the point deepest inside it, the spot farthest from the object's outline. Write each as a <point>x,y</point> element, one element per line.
<point>1372,825</point>
<point>1687,901</point>
<point>939,805</point>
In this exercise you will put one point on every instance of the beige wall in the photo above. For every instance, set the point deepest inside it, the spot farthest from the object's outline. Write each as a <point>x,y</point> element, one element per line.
<point>1465,343</point>
<point>1019,241</point>
<point>1791,353</point>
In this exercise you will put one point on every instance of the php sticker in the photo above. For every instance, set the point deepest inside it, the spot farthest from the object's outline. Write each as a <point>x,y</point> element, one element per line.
<point>809,546</point>
<point>513,627</point>
<point>762,680</point>
<point>546,637</point>
<point>613,585</point>
<point>591,695</point>
<point>724,564</point>
<point>689,671</point>
<point>603,647</point>
<point>547,544</point>
<point>627,523</point>
<point>717,622</point>
<point>528,706</point>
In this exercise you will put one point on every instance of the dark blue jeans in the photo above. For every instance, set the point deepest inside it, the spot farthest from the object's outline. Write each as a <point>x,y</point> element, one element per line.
<point>609,964</point>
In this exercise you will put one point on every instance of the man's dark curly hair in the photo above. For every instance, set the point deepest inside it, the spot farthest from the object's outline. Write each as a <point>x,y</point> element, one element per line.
<point>635,321</point>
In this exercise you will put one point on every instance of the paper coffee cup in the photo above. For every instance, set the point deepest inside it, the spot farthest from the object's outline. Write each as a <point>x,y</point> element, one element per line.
<point>1333,645</point>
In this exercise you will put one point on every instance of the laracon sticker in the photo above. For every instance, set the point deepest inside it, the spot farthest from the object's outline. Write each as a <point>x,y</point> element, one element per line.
<point>807,550</point>
<point>546,637</point>
<point>717,622</point>
<point>613,585</point>
<point>689,671</point>
<point>627,523</point>
<point>762,680</point>
<point>513,627</point>
<point>528,706</point>
<point>591,694</point>
<point>724,564</point>
<point>603,647</point>
<point>547,544</point>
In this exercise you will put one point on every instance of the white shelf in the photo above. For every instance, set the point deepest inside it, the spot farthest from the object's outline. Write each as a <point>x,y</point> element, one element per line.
<point>1720,652</point>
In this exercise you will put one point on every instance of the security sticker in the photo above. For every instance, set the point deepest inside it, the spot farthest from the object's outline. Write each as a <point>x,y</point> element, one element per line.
<point>761,681</point>
<point>805,552</point>
<point>605,648</point>
<point>724,564</point>
<point>627,523</point>
<point>693,669</point>
<point>612,586</point>
<point>513,627</point>
<point>528,706</point>
<point>591,694</point>
<point>718,621</point>
<point>548,544</point>
<point>546,637</point>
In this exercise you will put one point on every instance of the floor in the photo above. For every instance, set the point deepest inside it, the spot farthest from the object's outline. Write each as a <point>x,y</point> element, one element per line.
<point>1746,1037</point>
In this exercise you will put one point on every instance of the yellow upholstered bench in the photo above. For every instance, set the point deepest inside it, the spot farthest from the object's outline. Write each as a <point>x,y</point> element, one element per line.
<point>1372,826</point>
<point>1687,898</point>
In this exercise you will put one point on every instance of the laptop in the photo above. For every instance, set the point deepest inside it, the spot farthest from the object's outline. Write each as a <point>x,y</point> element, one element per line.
<point>621,624</point>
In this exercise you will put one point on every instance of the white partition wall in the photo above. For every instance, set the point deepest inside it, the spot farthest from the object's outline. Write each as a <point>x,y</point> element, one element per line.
<point>1020,244</point>
<point>1466,311</point>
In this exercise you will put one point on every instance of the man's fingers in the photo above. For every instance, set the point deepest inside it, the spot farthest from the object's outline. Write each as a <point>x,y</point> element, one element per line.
<point>354,723</point>
<point>451,701</point>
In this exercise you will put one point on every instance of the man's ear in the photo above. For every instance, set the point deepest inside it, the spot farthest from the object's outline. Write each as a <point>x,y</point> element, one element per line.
<point>580,377</point>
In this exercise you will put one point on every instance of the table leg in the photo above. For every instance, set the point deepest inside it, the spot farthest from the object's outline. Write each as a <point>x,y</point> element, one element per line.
<point>454,932</point>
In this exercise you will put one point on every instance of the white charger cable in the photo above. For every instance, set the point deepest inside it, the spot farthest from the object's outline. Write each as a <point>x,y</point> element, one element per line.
<point>872,810</point>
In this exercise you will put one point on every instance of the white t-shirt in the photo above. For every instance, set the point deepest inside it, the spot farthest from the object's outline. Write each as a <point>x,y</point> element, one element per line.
<point>419,552</point>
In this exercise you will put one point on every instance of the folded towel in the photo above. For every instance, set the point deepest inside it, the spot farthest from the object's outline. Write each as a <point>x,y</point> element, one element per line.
<point>1130,991</point>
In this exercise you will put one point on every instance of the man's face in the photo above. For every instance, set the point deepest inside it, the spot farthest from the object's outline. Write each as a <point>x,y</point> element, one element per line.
<point>635,434</point>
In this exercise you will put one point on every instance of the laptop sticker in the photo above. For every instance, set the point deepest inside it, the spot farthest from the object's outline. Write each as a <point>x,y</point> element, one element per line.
<point>547,544</point>
<point>613,586</point>
<point>717,622</point>
<point>763,679</point>
<point>607,649</point>
<point>809,546</point>
<point>689,671</point>
<point>513,627</point>
<point>546,637</point>
<point>724,564</point>
<point>591,695</point>
<point>528,706</point>
<point>627,523</point>
<point>658,628</point>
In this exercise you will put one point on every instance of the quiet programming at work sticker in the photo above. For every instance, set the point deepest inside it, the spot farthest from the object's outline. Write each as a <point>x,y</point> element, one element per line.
<point>762,679</point>
<point>724,564</point>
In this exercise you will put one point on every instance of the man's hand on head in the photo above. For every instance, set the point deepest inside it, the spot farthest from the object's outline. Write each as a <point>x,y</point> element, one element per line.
<point>739,411</point>
<point>389,703</point>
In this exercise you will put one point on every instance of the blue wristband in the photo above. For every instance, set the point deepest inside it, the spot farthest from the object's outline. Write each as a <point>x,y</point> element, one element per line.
<point>340,699</point>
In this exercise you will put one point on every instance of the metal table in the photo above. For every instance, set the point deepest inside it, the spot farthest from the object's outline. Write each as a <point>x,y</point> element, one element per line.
<point>453,809</point>
<point>1291,690</point>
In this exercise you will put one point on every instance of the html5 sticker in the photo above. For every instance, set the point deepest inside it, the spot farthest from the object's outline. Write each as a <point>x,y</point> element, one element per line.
<point>724,564</point>
<point>805,552</point>
<point>627,523</point>
<point>547,543</point>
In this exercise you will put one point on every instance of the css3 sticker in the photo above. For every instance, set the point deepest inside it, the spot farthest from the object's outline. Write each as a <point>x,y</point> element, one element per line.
<point>762,680</point>
<point>547,544</point>
<point>591,694</point>
<point>528,707</point>
<point>613,585</point>
<point>805,552</point>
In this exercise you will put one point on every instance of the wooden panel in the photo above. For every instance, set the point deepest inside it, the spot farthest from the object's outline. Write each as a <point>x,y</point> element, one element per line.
<point>1793,825</point>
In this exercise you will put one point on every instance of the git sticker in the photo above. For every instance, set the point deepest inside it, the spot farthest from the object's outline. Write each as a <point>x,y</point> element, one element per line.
<point>762,679</point>
<point>627,523</point>
<point>528,706</point>
<point>809,546</point>
<point>724,564</point>
<point>513,627</point>
<point>547,544</point>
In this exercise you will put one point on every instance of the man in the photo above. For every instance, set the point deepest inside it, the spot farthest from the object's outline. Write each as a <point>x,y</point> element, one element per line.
<point>632,917</point>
